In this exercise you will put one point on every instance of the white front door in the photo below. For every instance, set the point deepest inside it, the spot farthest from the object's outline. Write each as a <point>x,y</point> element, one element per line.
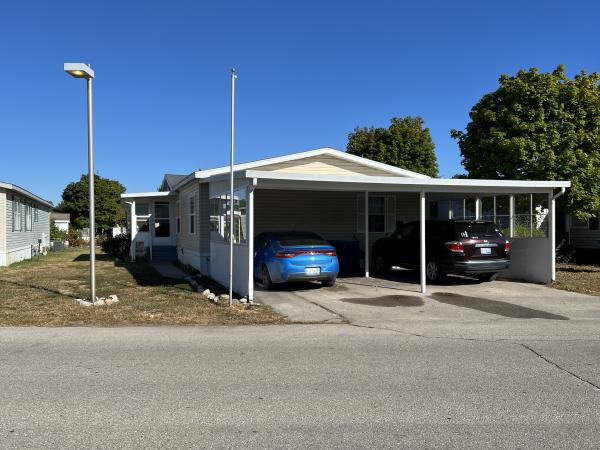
<point>162,224</point>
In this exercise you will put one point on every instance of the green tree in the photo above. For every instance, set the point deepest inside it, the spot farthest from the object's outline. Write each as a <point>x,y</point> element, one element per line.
<point>539,126</point>
<point>404,144</point>
<point>107,195</point>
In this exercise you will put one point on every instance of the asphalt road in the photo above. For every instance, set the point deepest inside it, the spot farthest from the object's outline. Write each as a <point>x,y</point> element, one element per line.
<point>300,386</point>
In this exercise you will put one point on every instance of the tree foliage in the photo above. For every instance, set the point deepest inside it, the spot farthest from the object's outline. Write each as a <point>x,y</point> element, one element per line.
<point>107,195</point>
<point>539,126</point>
<point>404,144</point>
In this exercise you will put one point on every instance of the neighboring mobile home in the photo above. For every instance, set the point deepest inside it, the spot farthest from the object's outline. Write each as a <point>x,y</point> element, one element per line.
<point>338,196</point>
<point>24,224</point>
<point>61,220</point>
<point>584,234</point>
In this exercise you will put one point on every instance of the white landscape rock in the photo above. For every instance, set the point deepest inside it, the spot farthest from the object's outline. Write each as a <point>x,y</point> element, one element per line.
<point>99,301</point>
<point>111,299</point>
<point>85,303</point>
<point>243,300</point>
<point>206,292</point>
<point>224,297</point>
<point>212,296</point>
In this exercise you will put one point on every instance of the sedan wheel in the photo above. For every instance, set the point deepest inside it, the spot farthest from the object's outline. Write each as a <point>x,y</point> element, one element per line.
<point>266,282</point>
<point>432,271</point>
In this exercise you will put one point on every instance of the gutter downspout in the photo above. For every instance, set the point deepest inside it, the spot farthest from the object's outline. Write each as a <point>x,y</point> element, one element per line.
<point>552,230</point>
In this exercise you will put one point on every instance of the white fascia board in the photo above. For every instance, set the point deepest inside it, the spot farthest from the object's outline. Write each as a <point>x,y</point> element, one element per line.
<point>429,184</point>
<point>147,194</point>
<point>26,193</point>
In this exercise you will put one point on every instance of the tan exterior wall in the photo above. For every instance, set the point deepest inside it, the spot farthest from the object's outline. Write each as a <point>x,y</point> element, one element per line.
<point>585,238</point>
<point>325,165</point>
<point>185,239</point>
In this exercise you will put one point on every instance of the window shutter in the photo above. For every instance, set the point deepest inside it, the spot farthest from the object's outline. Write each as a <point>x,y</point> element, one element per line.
<point>390,214</point>
<point>360,213</point>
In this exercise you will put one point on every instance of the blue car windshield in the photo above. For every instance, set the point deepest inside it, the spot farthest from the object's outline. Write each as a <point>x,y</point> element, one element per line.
<point>295,239</point>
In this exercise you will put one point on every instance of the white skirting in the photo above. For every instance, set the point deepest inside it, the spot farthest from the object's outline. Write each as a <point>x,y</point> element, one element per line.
<point>199,261</point>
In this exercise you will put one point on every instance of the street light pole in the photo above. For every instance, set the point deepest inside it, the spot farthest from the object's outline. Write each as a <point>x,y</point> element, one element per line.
<point>91,189</point>
<point>80,70</point>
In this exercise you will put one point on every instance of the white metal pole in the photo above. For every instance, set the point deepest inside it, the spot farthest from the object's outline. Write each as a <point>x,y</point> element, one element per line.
<point>552,234</point>
<point>511,212</point>
<point>91,192</point>
<point>367,234</point>
<point>422,240</point>
<point>250,238</point>
<point>231,213</point>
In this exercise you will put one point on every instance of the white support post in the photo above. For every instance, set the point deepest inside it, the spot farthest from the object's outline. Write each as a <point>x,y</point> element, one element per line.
<point>552,235</point>
<point>423,261</point>
<point>477,207</point>
<point>250,231</point>
<point>133,230</point>
<point>511,212</point>
<point>367,234</point>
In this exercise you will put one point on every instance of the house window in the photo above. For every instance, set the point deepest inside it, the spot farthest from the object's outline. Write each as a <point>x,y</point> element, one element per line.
<point>161,220</point>
<point>17,217</point>
<point>192,214</point>
<point>28,216</point>
<point>143,225</point>
<point>142,209</point>
<point>376,214</point>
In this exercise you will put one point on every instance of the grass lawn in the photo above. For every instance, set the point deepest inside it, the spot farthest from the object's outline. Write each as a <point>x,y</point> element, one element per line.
<point>40,293</point>
<point>578,278</point>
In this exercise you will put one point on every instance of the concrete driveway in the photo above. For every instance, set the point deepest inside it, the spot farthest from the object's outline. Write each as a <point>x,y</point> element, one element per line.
<point>461,307</point>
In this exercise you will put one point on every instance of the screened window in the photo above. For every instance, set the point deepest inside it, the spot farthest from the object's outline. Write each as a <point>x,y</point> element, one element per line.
<point>28,216</point>
<point>376,214</point>
<point>220,216</point>
<point>143,225</point>
<point>161,220</point>
<point>192,214</point>
<point>142,209</point>
<point>17,214</point>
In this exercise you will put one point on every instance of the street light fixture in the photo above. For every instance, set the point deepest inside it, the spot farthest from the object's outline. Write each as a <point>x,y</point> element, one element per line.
<point>80,70</point>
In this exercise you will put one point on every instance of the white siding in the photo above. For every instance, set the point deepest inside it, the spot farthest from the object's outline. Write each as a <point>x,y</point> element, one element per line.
<point>326,164</point>
<point>18,243</point>
<point>2,220</point>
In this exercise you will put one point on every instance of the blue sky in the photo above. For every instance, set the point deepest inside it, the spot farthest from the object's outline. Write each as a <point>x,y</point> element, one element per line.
<point>309,72</point>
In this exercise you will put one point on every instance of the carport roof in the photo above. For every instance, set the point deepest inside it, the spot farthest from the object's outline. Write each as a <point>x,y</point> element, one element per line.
<point>304,181</point>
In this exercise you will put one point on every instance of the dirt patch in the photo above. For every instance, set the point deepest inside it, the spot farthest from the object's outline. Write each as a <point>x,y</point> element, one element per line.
<point>387,301</point>
<point>584,279</point>
<point>494,306</point>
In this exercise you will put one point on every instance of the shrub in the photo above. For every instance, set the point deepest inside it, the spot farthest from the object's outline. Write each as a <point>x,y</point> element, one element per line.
<point>74,238</point>
<point>117,246</point>
<point>56,234</point>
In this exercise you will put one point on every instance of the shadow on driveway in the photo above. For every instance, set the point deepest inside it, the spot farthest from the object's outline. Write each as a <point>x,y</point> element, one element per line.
<point>493,306</point>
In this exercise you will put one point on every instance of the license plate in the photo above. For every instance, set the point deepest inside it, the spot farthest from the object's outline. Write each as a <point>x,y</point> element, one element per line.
<point>486,251</point>
<point>312,271</point>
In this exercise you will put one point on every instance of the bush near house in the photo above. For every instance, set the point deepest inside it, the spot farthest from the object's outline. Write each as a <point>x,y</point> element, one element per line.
<point>74,238</point>
<point>118,246</point>
<point>56,234</point>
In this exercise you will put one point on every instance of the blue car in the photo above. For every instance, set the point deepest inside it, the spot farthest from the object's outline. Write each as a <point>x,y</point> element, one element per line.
<point>282,256</point>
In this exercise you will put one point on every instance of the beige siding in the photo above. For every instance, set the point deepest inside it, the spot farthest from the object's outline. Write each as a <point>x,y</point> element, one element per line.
<point>330,214</point>
<point>407,206</point>
<point>325,164</point>
<point>585,238</point>
<point>2,220</point>
<point>185,239</point>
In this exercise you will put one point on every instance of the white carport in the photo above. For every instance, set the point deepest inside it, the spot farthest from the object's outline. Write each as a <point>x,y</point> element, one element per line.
<point>533,258</point>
